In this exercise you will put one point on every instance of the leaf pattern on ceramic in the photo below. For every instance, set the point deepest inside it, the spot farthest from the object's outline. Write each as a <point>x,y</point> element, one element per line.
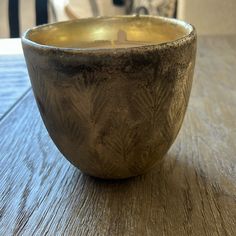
<point>41,89</point>
<point>149,101</point>
<point>122,139</point>
<point>103,131</point>
<point>178,106</point>
<point>89,98</point>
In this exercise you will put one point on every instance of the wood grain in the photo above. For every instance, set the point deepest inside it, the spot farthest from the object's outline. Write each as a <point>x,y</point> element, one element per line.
<point>193,192</point>
<point>14,81</point>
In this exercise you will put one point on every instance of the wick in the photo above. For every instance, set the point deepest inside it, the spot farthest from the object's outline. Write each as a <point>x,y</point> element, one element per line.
<point>121,36</point>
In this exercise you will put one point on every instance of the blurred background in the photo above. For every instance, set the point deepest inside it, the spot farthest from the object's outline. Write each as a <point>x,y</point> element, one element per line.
<point>209,16</point>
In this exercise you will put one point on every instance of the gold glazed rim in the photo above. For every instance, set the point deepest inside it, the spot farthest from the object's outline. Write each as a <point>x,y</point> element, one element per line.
<point>190,35</point>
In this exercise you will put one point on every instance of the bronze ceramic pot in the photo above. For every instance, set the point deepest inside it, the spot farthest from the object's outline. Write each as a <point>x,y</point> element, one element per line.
<point>112,92</point>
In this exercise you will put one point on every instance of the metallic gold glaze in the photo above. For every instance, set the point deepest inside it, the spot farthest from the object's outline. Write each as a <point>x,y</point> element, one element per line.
<point>93,32</point>
<point>114,112</point>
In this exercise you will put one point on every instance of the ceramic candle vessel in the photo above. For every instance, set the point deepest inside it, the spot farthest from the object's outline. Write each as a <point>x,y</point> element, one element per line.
<point>112,92</point>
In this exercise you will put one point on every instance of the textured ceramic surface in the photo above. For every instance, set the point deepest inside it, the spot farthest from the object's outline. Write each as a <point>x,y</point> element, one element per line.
<point>115,112</point>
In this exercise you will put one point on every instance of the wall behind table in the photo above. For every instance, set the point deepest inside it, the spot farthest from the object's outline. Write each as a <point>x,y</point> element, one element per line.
<point>209,16</point>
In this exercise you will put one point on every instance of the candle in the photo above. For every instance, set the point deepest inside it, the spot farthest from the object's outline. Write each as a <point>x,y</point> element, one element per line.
<point>110,33</point>
<point>114,114</point>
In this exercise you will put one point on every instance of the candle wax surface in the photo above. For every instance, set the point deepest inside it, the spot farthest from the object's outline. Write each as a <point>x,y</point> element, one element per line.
<point>114,32</point>
<point>120,42</point>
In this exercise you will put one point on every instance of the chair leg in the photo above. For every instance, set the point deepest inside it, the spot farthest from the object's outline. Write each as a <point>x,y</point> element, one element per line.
<point>41,7</point>
<point>13,17</point>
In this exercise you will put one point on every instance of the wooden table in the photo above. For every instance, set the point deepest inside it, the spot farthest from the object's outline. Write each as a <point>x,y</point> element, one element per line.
<point>192,193</point>
<point>14,82</point>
